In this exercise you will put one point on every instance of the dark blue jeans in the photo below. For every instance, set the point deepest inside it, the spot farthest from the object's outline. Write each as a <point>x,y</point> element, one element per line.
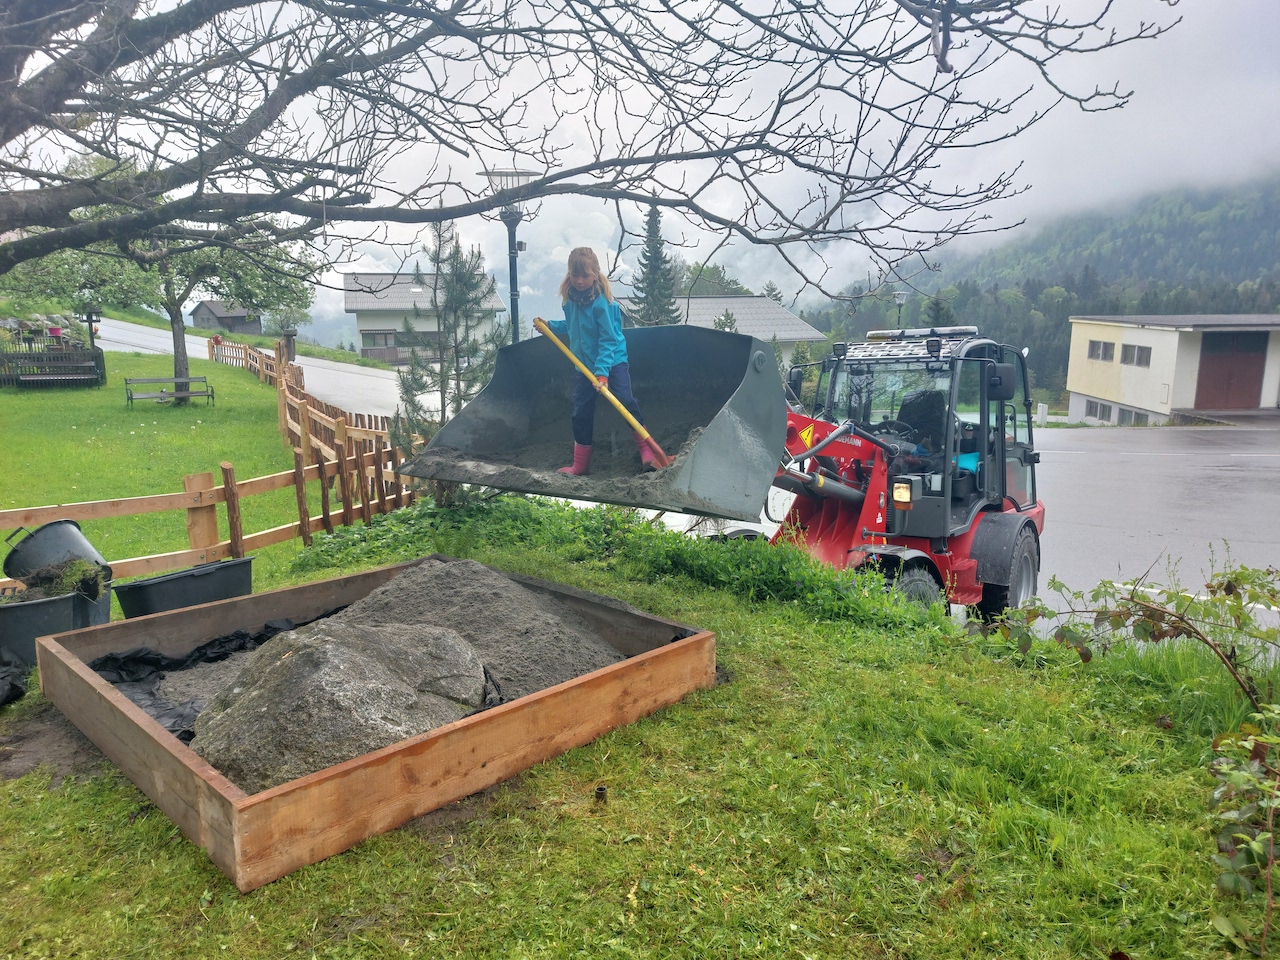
<point>584,402</point>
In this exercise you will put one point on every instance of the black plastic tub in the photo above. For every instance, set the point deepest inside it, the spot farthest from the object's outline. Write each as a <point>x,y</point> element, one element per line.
<point>21,621</point>
<point>187,588</point>
<point>53,543</point>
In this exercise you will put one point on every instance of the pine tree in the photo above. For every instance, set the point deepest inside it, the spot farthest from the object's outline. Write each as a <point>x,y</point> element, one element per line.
<point>457,360</point>
<point>938,312</point>
<point>656,282</point>
<point>726,322</point>
<point>772,292</point>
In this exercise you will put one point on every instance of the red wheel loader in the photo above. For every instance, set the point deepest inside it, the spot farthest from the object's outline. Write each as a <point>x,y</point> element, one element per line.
<point>914,452</point>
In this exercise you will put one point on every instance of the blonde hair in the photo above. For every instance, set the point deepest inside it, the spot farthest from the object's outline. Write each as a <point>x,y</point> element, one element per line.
<point>583,261</point>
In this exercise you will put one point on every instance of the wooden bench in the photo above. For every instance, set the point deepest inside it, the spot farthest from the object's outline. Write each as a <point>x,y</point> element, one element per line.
<point>194,387</point>
<point>77,368</point>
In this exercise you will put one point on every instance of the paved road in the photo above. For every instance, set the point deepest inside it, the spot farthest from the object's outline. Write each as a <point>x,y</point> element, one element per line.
<point>353,388</point>
<point>1121,501</point>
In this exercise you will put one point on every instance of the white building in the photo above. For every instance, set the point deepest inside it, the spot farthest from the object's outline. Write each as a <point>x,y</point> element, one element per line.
<point>755,316</point>
<point>1151,369</point>
<point>382,302</point>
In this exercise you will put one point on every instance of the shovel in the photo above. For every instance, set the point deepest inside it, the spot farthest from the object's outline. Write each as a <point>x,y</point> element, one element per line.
<point>660,459</point>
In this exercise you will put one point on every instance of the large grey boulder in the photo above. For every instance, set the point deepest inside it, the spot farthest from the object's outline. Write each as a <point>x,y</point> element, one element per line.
<point>333,690</point>
<point>528,640</point>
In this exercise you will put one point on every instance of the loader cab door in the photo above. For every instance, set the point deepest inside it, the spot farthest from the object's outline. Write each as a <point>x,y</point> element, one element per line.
<point>1019,450</point>
<point>977,446</point>
<point>993,455</point>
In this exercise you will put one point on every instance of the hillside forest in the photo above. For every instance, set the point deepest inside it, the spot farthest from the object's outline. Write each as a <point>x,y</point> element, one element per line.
<point>1182,252</point>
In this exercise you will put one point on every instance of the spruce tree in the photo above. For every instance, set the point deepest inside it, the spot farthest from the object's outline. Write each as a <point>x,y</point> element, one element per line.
<point>655,285</point>
<point>460,356</point>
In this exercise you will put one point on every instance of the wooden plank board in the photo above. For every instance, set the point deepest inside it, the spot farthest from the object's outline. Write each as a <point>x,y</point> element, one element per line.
<point>191,793</point>
<point>327,812</point>
<point>98,509</point>
<point>265,538</point>
<point>166,562</point>
<point>256,839</point>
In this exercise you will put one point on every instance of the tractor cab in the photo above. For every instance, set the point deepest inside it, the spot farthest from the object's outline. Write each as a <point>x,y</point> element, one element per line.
<point>910,440</point>
<point>953,412</point>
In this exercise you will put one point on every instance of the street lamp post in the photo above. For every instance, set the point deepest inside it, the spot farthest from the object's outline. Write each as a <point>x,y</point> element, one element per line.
<point>900,298</point>
<point>511,214</point>
<point>91,314</point>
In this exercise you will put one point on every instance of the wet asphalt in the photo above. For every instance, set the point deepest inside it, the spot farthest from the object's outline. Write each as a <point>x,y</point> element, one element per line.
<point>1123,502</point>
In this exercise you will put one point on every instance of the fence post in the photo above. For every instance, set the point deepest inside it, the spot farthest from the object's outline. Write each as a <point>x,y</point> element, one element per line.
<point>344,479</point>
<point>202,519</point>
<point>282,410</point>
<point>324,493</point>
<point>234,524</point>
<point>300,490</point>
<point>398,489</point>
<point>304,427</point>
<point>380,478</point>
<point>340,437</point>
<point>362,470</point>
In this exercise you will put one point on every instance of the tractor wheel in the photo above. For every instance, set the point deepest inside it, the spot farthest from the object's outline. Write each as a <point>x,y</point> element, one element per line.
<point>1024,575</point>
<point>917,585</point>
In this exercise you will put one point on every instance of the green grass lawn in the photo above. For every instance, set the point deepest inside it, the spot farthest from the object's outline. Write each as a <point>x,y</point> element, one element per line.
<point>870,783</point>
<point>68,446</point>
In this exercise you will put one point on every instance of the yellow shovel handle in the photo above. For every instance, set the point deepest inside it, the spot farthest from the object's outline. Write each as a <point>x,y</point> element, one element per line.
<point>541,326</point>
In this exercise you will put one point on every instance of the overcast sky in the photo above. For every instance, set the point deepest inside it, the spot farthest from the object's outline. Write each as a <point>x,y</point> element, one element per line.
<point>1205,111</point>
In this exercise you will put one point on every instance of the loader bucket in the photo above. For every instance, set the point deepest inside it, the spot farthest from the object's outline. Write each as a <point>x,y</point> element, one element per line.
<point>712,400</point>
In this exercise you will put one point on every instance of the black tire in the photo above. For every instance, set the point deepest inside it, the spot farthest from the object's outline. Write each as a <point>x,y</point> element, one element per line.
<point>1024,579</point>
<point>918,585</point>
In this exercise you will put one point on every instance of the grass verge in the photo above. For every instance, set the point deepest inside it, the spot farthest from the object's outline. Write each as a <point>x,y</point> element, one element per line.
<point>868,784</point>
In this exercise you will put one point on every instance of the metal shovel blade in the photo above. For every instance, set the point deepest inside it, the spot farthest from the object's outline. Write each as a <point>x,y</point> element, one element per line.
<point>712,400</point>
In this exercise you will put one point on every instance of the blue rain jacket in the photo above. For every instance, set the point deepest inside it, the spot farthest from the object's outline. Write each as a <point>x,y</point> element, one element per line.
<point>595,334</point>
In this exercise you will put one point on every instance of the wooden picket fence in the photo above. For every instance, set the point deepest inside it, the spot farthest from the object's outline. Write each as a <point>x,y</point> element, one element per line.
<point>307,423</point>
<point>349,455</point>
<point>352,489</point>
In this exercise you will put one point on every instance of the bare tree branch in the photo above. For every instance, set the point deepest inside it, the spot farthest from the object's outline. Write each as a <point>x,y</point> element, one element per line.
<point>796,124</point>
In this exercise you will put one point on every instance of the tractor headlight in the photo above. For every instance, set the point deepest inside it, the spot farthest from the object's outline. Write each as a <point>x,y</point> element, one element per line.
<point>902,494</point>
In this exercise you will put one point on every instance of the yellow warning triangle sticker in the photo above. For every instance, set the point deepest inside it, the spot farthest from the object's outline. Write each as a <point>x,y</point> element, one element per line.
<point>806,436</point>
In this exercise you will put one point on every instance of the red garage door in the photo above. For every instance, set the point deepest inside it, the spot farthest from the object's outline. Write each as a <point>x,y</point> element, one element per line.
<point>1231,366</point>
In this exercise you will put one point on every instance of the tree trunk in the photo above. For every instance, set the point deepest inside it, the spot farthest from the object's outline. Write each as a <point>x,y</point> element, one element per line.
<point>181,366</point>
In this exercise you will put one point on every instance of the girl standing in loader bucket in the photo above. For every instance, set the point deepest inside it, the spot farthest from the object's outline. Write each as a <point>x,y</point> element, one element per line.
<point>593,323</point>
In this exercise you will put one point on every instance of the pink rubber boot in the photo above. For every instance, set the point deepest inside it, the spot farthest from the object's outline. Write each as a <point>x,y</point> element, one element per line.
<point>581,461</point>
<point>646,453</point>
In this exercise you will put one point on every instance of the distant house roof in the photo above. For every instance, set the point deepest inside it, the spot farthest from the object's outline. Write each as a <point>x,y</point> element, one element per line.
<point>756,316</point>
<point>225,309</point>
<point>1194,321</point>
<point>396,291</point>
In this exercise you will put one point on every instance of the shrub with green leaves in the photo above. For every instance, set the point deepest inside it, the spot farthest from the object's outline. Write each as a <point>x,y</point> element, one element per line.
<point>622,540</point>
<point>1233,619</point>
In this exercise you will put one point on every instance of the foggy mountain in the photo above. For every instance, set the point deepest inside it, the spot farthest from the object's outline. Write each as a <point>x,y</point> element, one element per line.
<point>1187,237</point>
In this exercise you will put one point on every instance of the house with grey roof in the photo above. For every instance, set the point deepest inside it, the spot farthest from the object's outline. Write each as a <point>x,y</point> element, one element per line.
<point>383,302</point>
<point>755,316</point>
<point>226,315</point>
<point>1153,369</point>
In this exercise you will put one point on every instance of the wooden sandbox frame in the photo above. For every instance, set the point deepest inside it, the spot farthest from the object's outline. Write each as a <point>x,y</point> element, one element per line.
<point>257,838</point>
